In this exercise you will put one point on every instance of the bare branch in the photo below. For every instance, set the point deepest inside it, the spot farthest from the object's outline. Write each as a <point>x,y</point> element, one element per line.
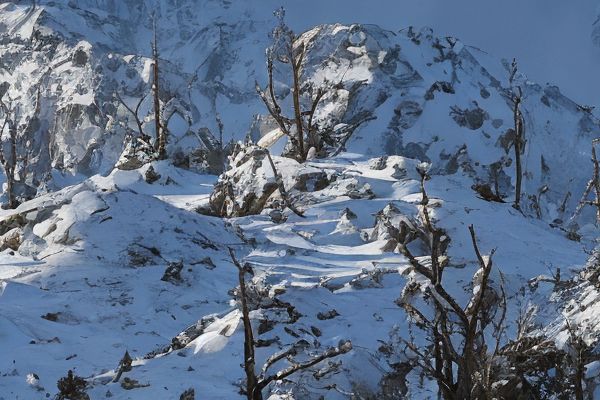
<point>343,348</point>
<point>135,112</point>
<point>281,187</point>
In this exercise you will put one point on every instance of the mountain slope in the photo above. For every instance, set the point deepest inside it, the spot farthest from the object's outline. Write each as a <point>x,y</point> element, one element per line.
<point>83,264</point>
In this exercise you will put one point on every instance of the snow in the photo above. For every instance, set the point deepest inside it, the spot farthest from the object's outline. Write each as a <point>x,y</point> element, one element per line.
<point>85,285</point>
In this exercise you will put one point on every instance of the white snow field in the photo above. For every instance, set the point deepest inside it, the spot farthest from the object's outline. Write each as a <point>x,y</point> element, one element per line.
<point>83,284</point>
<point>90,267</point>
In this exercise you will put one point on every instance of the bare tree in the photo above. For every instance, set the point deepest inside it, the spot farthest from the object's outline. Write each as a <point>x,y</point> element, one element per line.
<point>15,158</point>
<point>9,161</point>
<point>519,138</point>
<point>161,131</point>
<point>461,368</point>
<point>135,113</point>
<point>157,149</point>
<point>593,184</point>
<point>287,49</point>
<point>257,382</point>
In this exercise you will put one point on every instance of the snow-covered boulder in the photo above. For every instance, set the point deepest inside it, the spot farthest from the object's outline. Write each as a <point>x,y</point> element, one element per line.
<point>250,185</point>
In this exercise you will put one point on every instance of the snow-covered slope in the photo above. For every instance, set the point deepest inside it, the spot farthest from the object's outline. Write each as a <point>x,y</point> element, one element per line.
<point>82,267</point>
<point>87,285</point>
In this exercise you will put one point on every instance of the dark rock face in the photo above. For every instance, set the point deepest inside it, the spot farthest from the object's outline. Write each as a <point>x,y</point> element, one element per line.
<point>469,118</point>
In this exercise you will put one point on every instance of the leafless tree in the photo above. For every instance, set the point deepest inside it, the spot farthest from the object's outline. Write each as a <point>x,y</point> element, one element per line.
<point>287,49</point>
<point>593,184</point>
<point>9,161</point>
<point>462,368</point>
<point>160,128</point>
<point>157,149</point>
<point>257,382</point>
<point>519,136</point>
<point>14,151</point>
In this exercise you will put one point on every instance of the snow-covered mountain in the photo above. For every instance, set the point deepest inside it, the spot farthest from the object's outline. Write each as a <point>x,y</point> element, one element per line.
<point>82,53</point>
<point>80,281</point>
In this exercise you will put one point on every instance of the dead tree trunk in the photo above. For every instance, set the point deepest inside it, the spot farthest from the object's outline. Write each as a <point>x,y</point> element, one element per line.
<point>519,143</point>
<point>161,140</point>
<point>9,163</point>
<point>519,139</point>
<point>296,61</point>
<point>249,360</point>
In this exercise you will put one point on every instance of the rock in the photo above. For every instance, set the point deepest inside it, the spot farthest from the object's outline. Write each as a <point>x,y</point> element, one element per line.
<point>173,272</point>
<point>51,316</point>
<point>130,163</point>
<point>245,188</point>
<point>311,181</point>
<point>151,175</point>
<point>345,225</point>
<point>394,226</point>
<point>189,394</point>
<point>129,384</point>
<point>249,186</point>
<point>139,256</point>
<point>277,216</point>
<point>348,214</point>
<point>378,163</point>
<point>363,192</point>
<point>471,118</point>
<point>11,239</point>
<point>327,314</point>
<point>80,58</point>
<point>439,86</point>
<point>399,172</point>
